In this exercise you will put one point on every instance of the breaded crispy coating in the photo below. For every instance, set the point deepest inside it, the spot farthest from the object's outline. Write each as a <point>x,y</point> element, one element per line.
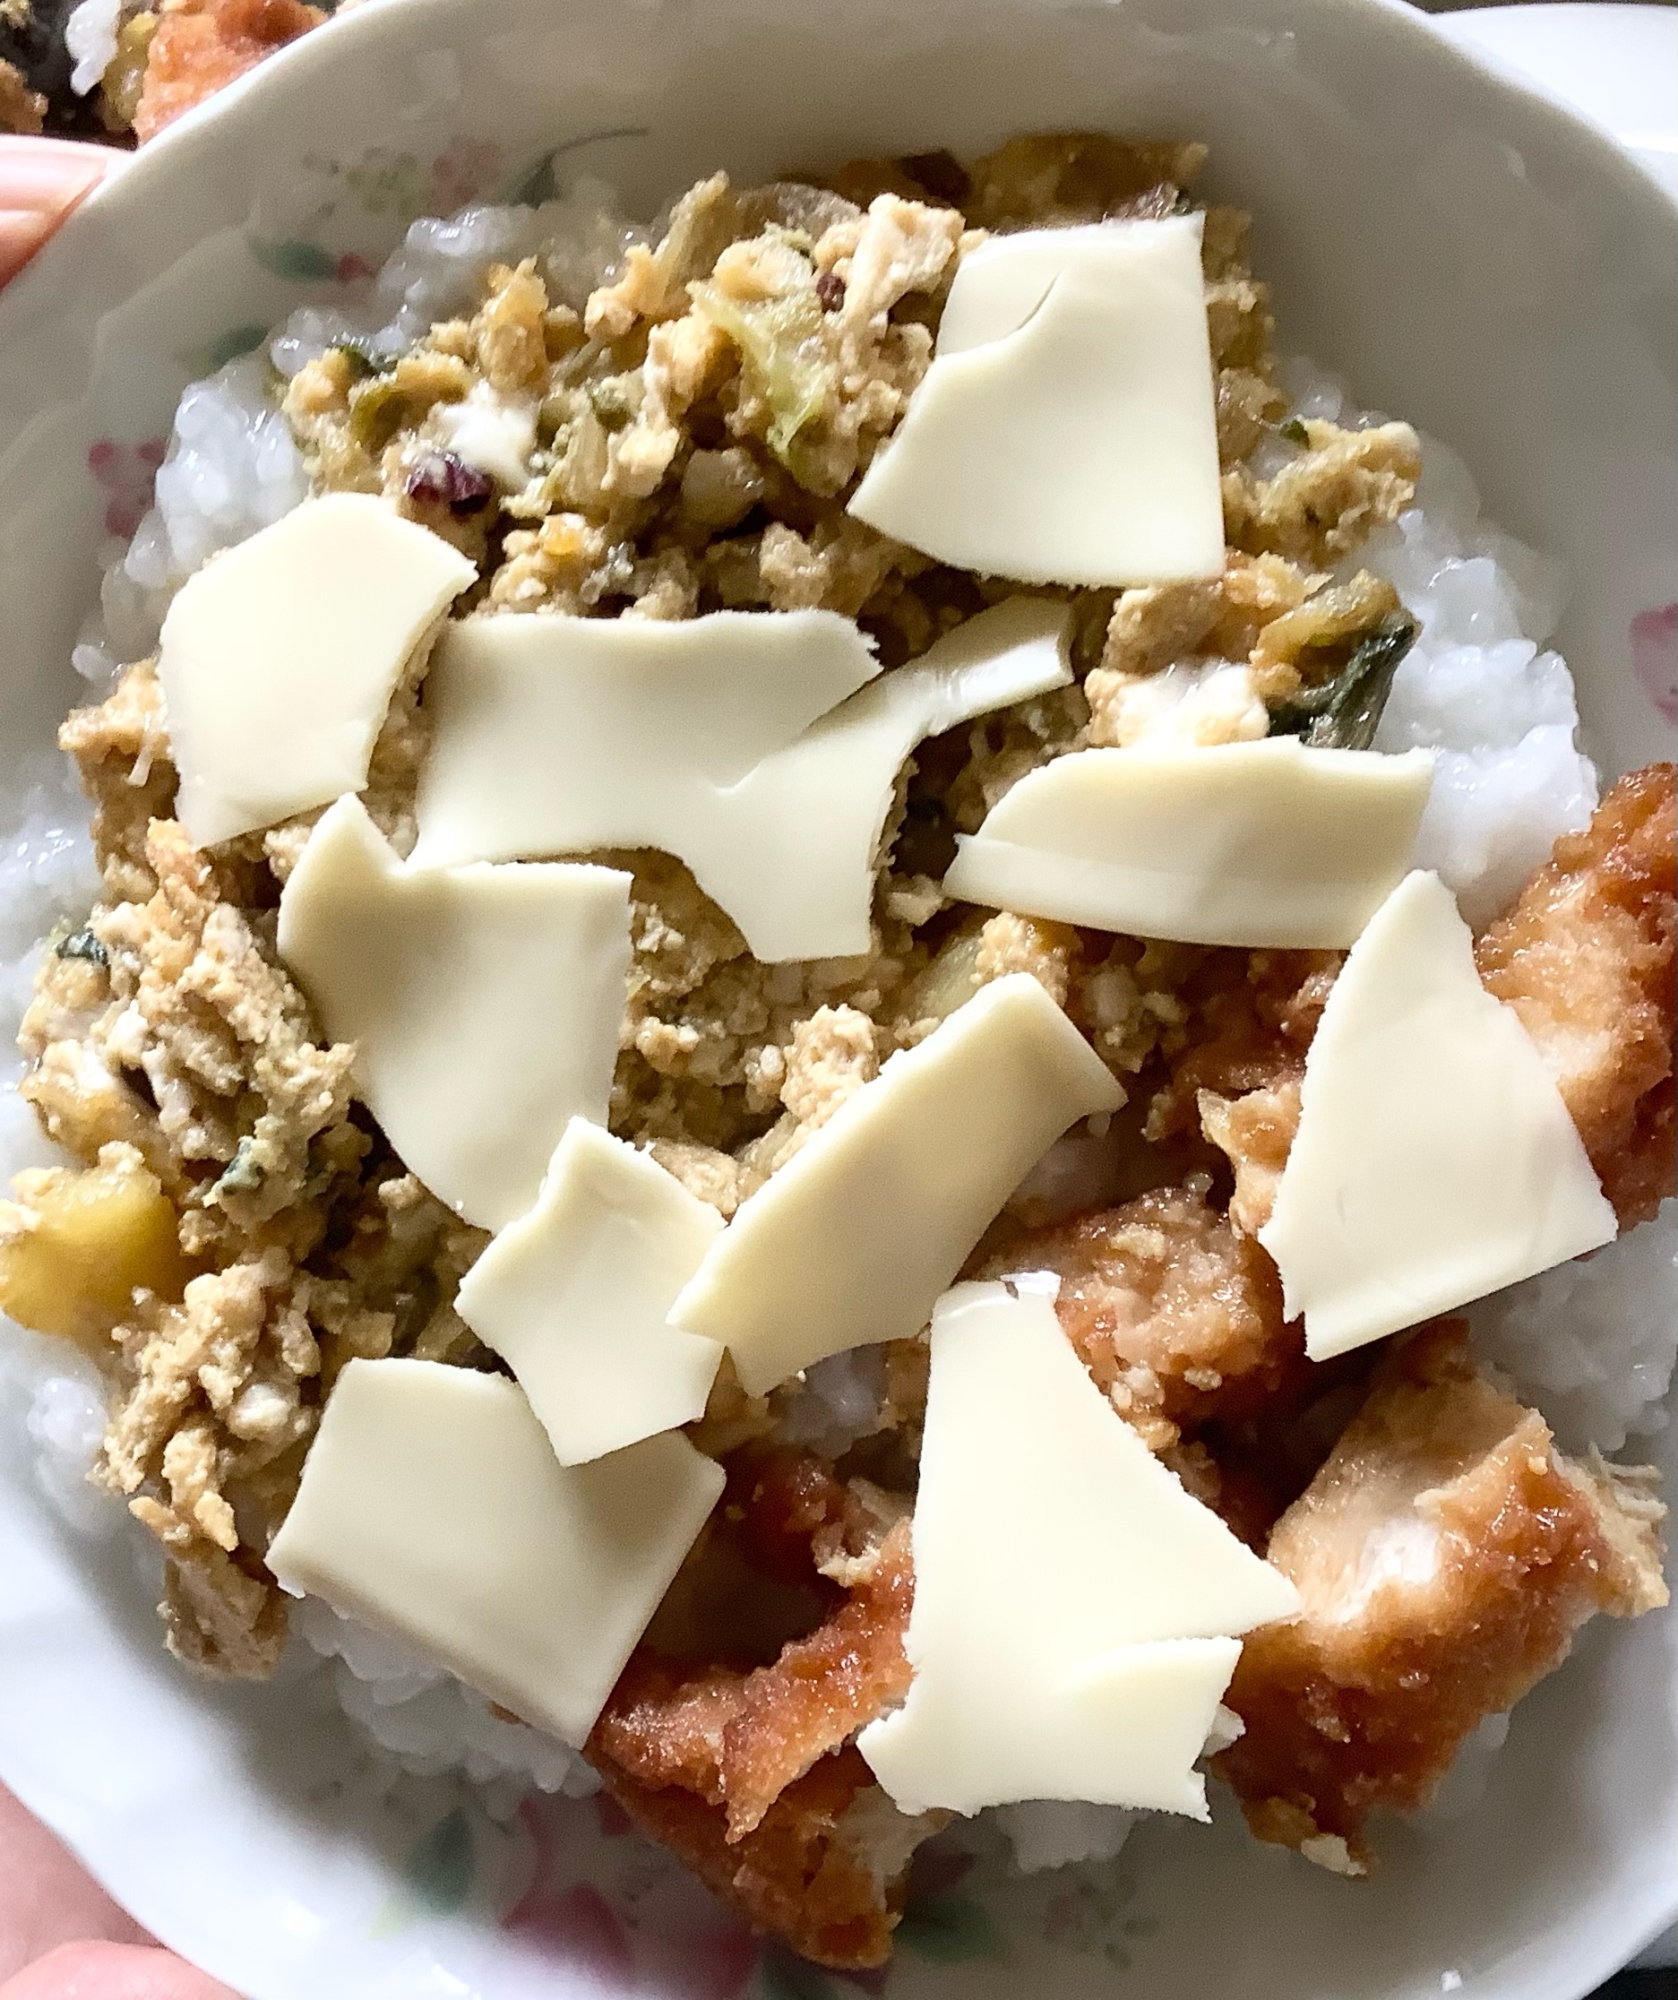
<point>746,1772</point>
<point>825,1872</point>
<point>739,1737</point>
<point>739,1740</point>
<point>1255,1132</point>
<point>821,1690</point>
<point>1176,1315</point>
<point>200,46</point>
<point>1248,1018</point>
<point>1446,1554</point>
<point>1585,958</point>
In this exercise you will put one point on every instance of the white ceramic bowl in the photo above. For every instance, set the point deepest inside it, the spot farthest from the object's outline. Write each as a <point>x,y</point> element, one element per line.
<point>1468,256</point>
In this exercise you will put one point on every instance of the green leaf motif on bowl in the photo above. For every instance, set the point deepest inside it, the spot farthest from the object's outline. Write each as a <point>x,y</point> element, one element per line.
<point>540,181</point>
<point>295,260</point>
<point>436,1877</point>
<point>950,1930</point>
<point>783,1976</point>
<point>226,347</point>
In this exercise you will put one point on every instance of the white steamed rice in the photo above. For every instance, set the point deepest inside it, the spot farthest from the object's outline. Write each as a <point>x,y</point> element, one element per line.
<point>90,36</point>
<point>1592,1344</point>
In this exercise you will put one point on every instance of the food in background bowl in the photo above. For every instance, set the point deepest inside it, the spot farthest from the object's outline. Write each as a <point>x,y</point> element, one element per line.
<point>120,71</point>
<point>1046,809</point>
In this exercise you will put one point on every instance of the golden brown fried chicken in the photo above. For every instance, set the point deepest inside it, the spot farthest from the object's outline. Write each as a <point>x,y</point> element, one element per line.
<point>1176,1315</point>
<point>1585,958</point>
<point>1446,1555</point>
<point>746,1773</point>
<point>1249,1020</point>
<point>1255,1132</point>
<point>824,1872</point>
<point>740,1739</point>
<point>201,45</point>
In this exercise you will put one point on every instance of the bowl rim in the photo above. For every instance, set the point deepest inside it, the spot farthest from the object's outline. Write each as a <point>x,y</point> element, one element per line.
<point>289,69</point>
<point>191,144</point>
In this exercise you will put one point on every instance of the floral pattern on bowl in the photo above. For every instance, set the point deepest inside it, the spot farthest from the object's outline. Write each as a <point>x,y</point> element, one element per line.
<point>1653,641</point>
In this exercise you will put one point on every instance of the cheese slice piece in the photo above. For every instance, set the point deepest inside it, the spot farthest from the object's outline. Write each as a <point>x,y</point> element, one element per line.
<point>556,735</point>
<point>574,1296</point>
<point>1254,844</point>
<point>432,1506</point>
<point>855,1237</point>
<point>796,850</point>
<point>278,659</point>
<point>484,1002</point>
<point>560,735</point>
<point>1435,1160</point>
<point>1066,431</point>
<point>1076,1612</point>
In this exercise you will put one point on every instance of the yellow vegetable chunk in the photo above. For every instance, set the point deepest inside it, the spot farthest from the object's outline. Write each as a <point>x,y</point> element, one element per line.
<point>76,1244</point>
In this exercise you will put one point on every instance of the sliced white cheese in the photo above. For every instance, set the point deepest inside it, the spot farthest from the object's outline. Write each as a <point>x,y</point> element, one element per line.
<point>278,658</point>
<point>556,735</point>
<point>1435,1160</point>
<point>796,849</point>
<point>1076,1612</point>
<point>564,735</point>
<point>1066,431</point>
<point>855,1237</point>
<point>573,1296</point>
<point>1242,844</point>
<point>484,1002</point>
<point>432,1506</point>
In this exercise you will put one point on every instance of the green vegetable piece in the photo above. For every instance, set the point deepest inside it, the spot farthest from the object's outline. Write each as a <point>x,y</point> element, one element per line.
<point>610,401</point>
<point>1344,713</point>
<point>1294,431</point>
<point>378,410</point>
<point>243,1174</point>
<point>83,944</point>
<point>364,360</point>
<point>784,355</point>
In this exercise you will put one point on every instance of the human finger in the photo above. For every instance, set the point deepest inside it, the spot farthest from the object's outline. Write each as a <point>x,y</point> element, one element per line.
<point>113,1972</point>
<point>41,181</point>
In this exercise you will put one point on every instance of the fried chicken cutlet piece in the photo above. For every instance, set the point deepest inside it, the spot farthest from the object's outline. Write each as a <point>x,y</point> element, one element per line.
<point>200,46</point>
<point>1585,958</point>
<point>1176,1315</point>
<point>747,1774</point>
<point>740,1739</point>
<point>1250,1017</point>
<point>825,1872</point>
<point>1446,1555</point>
